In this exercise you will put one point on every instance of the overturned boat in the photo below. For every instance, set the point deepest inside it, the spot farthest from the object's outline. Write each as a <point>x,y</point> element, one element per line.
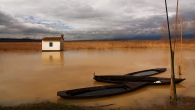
<point>126,78</point>
<point>101,91</point>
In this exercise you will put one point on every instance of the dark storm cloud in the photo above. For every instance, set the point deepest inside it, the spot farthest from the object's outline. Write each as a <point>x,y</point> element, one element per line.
<point>10,27</point>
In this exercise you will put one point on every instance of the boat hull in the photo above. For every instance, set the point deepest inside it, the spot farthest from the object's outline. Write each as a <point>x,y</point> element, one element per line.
<point>125,78</point>
<point>101,91</point>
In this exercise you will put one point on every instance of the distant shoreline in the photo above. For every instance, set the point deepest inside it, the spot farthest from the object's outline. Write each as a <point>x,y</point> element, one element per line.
<point>103,44</point>
<point>19,40</point>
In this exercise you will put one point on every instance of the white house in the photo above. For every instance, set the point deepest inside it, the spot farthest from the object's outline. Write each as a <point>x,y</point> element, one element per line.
<point>53,43</point>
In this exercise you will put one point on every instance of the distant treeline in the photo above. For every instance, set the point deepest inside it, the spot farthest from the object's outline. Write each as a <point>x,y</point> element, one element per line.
<point>19,40</point>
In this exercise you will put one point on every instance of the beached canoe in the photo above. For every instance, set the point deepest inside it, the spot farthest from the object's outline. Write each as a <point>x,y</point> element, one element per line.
<point>101,91</point>
<point>126,78</point>
<point>148,72</point>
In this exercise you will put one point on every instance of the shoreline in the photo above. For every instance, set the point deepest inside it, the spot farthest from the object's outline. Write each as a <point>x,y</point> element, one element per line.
<point>107,44</point>
<point>183,103</point>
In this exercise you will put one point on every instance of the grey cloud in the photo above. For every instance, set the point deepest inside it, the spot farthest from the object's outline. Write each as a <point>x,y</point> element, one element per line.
<point>10,27</point>
<point>188,14</point>
<point>69,10</point>
<point>89,19</point>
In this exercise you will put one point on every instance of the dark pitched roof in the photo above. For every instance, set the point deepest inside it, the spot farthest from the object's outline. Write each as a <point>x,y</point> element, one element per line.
<point>52,38</point>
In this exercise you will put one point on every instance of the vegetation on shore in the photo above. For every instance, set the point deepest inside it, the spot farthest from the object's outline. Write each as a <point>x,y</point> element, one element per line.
<point>46,106</point>
<point>187,43</point>
<point>6,46</point>
<point>184,103</point>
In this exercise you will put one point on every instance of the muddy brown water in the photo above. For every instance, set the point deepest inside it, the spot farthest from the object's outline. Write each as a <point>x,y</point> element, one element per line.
<point>32,77</point>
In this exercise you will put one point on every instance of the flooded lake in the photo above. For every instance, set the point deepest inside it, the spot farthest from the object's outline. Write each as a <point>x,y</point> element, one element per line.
<point>32,77</point>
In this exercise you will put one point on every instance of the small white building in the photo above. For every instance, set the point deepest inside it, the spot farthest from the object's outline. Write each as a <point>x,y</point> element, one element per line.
<point>53,43</point>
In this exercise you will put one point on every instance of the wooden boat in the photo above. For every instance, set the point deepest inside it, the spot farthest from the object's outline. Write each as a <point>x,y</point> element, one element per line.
<point>126,78</point>
<point>101,91</point>
<point>148,72</point>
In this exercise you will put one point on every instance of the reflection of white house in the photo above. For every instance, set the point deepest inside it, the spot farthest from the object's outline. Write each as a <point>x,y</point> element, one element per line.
<point>53,58</point>
<point>53,43</point>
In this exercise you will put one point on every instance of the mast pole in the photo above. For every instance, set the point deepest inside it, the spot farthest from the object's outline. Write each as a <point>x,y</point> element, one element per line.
<point>173,95</point>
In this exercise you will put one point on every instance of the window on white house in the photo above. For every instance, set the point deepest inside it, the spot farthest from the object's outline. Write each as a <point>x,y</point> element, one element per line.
<point>50,44</point>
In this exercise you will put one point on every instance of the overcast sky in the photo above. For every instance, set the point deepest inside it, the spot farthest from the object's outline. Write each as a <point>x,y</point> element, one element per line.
<point>88,19</point>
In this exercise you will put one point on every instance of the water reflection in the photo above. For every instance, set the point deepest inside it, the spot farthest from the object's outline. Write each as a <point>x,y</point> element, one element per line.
<point>53,58</point>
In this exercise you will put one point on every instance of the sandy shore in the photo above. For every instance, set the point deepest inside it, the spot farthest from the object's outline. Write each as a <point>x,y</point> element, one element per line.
<point>6,46</point>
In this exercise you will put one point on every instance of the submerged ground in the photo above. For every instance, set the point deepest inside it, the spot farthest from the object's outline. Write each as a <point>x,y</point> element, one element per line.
<point>36,76</point>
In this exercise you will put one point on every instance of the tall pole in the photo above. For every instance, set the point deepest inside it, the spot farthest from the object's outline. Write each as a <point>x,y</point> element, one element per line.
<point>181,32</point>
<point>173,95</point>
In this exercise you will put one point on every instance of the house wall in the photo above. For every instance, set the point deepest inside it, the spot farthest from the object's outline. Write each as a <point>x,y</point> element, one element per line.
<point>56,45</point>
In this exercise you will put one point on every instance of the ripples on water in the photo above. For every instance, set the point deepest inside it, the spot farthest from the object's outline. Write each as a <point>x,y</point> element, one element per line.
<point>28,77</point>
